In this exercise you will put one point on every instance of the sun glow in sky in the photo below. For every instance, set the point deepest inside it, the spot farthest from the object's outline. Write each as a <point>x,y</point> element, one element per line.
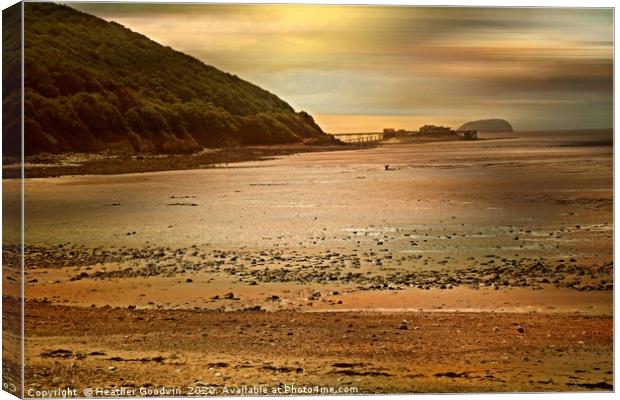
<point>363,68</point>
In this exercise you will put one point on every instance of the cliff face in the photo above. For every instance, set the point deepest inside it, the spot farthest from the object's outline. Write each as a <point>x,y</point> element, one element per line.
<point>92,85</point>
<point>487,125</point>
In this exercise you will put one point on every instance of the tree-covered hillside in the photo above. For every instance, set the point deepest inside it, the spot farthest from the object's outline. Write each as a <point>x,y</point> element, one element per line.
<point>93,85</point>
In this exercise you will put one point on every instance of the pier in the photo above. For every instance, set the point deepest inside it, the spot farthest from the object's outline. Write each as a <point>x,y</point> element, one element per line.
<point>359,137</point>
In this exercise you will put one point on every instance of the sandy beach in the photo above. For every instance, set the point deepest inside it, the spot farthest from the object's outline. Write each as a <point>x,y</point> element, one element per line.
<point>464,266</point>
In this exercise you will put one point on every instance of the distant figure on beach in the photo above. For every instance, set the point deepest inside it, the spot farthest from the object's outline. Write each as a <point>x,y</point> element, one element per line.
<point>387,167</point>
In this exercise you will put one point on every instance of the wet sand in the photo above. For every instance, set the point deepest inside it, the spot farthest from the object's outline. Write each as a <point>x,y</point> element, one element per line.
<point>472,236</point>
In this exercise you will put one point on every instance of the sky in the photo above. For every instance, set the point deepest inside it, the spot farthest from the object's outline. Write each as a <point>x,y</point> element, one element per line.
<point>364,68</point>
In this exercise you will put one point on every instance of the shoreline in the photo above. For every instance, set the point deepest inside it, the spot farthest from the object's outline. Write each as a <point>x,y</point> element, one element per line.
<point>56,165</point>
<point>79,164</point>
<point>97,164</point>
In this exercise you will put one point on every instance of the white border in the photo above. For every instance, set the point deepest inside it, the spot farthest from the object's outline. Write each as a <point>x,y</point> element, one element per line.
<point>466,3</point>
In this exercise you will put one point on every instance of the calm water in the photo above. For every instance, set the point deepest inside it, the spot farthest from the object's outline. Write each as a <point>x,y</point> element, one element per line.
<point>358,137</point>
<point>594,137</point>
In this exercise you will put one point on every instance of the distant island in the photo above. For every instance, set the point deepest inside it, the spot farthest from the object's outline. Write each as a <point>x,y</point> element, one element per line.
<point>96,86</point>
<point>487,125</point>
